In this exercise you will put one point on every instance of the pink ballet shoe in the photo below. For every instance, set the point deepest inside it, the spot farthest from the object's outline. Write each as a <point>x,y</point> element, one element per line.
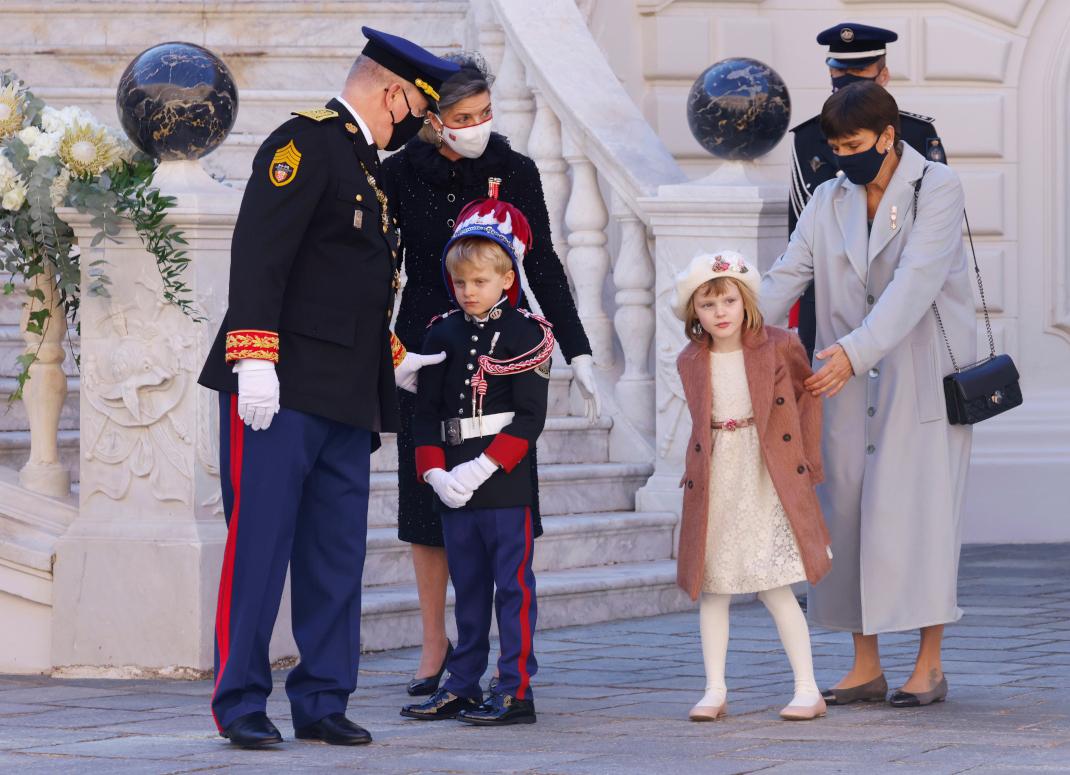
<point>804,712</point>
<point>708,712</point>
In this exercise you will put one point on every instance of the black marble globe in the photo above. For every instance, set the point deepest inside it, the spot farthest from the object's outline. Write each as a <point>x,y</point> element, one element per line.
<point>177,101</point>
<point>738,109</point>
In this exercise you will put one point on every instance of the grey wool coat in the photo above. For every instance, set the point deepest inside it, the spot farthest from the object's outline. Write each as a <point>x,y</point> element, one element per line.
<point>895,470</point>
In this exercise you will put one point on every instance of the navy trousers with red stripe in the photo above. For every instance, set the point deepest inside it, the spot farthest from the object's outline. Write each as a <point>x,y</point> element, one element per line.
<point>295,494</point>
<point>488,549</point>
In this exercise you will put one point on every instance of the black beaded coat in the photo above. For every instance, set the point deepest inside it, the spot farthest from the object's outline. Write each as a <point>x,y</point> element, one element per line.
<point>426,192</point>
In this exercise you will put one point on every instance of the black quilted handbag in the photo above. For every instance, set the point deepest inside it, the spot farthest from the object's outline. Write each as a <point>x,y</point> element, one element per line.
<point>984,389</point>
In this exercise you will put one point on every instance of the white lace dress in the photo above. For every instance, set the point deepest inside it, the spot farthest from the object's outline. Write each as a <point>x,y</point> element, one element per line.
<point>749,544</point>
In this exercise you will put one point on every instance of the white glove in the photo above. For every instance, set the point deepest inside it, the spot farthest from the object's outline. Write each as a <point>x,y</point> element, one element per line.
<point>448,489</point>
<point>583,373</point>
<point>407,371</point>
<point>258,392</point>
<point>474,473</point>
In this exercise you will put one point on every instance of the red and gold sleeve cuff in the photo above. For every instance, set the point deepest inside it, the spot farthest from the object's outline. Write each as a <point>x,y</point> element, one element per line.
<point>397,350</point>
<point>428,456</point>
<point>507,451</point>
<point>247,343</point>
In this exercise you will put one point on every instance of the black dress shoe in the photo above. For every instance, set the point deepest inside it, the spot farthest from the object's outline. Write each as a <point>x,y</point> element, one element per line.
<point>500,710</point>
<point>443,704</point>
<point>901,699</point>
<point>420,687</point>
<point>253,730</point>
<point>335,729</point>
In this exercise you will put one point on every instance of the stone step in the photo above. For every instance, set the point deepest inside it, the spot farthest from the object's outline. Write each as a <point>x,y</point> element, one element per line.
<point>564,488</point>
<point>391,615</point>
<point>563,440</point>
<point>568,541</point>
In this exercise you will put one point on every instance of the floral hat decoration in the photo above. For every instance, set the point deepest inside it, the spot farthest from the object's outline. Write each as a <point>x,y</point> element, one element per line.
<point>708,266</point>
<point>500,222</point>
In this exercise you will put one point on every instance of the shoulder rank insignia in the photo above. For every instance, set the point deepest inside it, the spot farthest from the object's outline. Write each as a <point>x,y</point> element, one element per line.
<point>443,316</point>
<point>918,116</point>
<point>316,114</point>
<point>284,164</point>
<point>351,127</point>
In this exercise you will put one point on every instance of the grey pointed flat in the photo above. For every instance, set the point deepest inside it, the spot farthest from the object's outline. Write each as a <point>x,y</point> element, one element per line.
<point>871,691</point>
<point>901,699</point>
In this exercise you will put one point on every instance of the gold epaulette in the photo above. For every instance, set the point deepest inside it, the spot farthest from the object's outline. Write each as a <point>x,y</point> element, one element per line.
<point>316,114</point>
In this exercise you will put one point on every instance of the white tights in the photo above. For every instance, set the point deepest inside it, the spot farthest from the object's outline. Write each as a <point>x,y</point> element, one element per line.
<point>794,634</point>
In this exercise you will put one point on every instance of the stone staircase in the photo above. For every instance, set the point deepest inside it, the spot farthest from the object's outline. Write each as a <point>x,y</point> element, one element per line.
<point>599,559</point>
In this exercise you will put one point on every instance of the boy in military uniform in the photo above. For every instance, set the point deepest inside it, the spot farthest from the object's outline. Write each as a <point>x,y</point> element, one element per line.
<point>306,369</point>
<point>856,52</point>
<point>478,414</point>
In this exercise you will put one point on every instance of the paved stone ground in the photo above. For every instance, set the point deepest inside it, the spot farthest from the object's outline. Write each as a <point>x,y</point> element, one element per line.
<point>613,698</point>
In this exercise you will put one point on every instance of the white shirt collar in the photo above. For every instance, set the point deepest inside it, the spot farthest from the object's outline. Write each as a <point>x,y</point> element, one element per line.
<point>360,122</point>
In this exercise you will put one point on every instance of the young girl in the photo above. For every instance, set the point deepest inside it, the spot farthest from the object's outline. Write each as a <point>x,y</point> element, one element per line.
<point>751,520</point>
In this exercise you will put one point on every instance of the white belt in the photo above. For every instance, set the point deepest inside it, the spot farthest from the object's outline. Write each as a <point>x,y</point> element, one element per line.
<point>460,429</point>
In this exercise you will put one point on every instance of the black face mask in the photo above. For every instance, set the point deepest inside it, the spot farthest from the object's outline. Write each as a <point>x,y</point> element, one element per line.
<point>405,129</point>
<point>839,81</point>
<point>862,167</point>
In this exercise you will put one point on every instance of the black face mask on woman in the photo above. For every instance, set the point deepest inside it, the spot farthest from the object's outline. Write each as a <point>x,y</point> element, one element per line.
<point>862,167</point>
<point>405,129</point>
<point>839,81</point>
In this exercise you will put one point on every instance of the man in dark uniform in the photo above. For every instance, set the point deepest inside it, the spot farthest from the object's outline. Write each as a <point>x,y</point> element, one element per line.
<point>305,358</point>
<point>856,52</point>
<point>478,414</point>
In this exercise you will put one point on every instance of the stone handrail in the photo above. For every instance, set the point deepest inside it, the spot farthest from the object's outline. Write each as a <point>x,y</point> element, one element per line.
<point>563,62</point>
<point>559,101</point>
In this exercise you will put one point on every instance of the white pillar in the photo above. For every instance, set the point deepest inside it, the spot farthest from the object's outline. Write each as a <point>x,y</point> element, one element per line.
<point>633,320</point>
<point>734,209</point>
<point>588,259</point>
<point>136,574</point>
<point>514,108</point>
<point>45,390</point>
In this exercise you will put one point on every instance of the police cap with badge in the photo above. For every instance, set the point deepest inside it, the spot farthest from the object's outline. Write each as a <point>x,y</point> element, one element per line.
<point>315,254</point>
<point>854,46</point>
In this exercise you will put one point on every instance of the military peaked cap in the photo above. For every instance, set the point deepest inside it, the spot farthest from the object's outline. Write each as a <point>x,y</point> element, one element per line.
<point>407,60</point>
<point>853,46</point>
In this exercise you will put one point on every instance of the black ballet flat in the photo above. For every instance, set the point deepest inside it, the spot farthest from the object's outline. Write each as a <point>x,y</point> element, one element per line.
<point>421,687</point>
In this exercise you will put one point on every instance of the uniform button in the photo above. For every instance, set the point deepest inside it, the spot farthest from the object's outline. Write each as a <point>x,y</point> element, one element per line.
<point>472,351</point>
<point>482,325</point>
<point>870,299</point>
<point>698,448</point>
<point>360,197</point>
<point>800,470</point>
<point>475,338</point>
<point>450,222</point>
<point>451,197</point>
<point>462,394</point>
<point>470,367</point>
<point>874,373</point>
<point>690,484</point>
<point>461,410</point>
<point>787,437</point>
<point>393,254</point>
<point>780,402</point>
<point>870,449</point>
<point>871,411</point>
<point>395,221</point>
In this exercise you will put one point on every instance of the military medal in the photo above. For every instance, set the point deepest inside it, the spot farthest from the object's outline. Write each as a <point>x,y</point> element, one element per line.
<point>895,214</point>
<point>493,185</point>
<point>358,218</point>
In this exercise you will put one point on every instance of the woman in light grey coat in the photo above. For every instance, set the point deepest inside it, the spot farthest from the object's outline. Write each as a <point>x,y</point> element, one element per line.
<point>895,470</point>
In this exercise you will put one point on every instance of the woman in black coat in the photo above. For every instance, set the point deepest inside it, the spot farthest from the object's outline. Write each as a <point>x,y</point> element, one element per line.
<point>455,160</point>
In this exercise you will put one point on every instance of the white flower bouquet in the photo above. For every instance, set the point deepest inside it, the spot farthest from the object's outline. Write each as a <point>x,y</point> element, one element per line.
<point>51,158</point>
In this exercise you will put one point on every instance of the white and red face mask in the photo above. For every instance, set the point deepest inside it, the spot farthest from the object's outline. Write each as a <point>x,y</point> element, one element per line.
<point>468,141</point>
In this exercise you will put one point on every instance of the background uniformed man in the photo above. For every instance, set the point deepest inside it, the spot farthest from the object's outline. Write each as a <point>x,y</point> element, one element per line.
<point>304,363</point>
<point>856,52</point>
<point>478,415</point>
